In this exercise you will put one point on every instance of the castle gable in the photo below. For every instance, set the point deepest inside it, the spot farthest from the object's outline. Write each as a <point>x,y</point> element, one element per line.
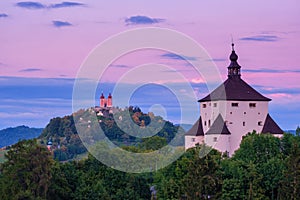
<point>270,126</point>
<point>218,127</point>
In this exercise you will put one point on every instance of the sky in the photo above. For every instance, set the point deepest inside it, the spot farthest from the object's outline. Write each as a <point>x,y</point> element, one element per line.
<point>45,43</point>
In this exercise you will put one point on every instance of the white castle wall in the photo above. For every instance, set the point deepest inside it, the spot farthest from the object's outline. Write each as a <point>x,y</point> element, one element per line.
<point>219,142</point>
<point>240,120</point>
<point>191,141</point>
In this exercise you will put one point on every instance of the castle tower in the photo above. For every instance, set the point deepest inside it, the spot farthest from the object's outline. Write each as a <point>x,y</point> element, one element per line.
<point>245,110</point>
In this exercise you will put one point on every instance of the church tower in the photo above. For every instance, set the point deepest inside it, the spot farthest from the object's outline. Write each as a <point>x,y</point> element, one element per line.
<point>105,103</point>
<point>231,111</point>
<point>109,101</point>
<point>102,101</point>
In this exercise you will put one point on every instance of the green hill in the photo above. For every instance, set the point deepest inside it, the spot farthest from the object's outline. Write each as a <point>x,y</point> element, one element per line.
<point>66,143</point>
<point>11,136</point>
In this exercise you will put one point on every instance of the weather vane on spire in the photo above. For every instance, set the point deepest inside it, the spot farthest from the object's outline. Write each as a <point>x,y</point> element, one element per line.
<point>232,43</point>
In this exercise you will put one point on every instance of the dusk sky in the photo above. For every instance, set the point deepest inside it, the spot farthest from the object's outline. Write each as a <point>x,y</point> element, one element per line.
<point>44,43</point>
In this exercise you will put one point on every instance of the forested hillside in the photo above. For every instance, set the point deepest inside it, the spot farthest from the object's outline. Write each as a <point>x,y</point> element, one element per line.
<point>66,143</point>
<point>11,136</point>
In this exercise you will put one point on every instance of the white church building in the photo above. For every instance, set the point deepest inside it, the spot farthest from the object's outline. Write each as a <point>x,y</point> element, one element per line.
<point>231,111</point>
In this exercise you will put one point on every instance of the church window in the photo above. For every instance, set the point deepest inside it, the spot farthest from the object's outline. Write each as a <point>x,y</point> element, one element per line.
<point>193,139</point>
<point>235,104</point>
<point>260,123</point>
<point>215,139</point>
<point>215,104</point>
<point>208,123</point>
<point>204,123</point>
<point>204,105</point>
<point>244,123</point>
<point>244,113</point>
<point>252,105</point>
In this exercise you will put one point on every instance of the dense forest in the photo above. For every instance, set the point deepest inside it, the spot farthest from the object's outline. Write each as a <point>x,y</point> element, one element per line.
<point>264,167</point>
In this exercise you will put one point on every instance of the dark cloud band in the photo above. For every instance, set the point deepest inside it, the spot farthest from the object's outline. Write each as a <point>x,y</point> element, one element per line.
<point>177,57</point>
<point>261,38</point>
<point>31,70</point>
<point>3,15</point>
<point>59,24</point>
<point>137,20</point>
<point>38,5</point>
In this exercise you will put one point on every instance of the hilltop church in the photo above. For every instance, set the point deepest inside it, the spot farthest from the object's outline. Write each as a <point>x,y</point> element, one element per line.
<point>231,111</point>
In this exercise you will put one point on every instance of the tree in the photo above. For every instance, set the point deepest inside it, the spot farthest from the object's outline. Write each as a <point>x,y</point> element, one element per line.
<point>152,143</point>
<point>298,131</point>
<point>202,180</point>
<point>26,173</point>
<point>256,168</point>
<point>63,179</point>
<point>191,176</point>
<point>291,183</point>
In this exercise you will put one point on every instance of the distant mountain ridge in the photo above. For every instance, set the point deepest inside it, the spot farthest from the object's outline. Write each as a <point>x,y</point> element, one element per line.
<point>291,131</point>
<point>186,127</point>
<point>12,135</point>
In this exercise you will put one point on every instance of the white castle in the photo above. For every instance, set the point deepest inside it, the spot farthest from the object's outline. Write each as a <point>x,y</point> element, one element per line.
<point>231,111</point>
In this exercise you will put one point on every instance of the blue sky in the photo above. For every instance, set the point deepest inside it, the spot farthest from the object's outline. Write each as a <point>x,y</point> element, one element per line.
<point>44,43</point>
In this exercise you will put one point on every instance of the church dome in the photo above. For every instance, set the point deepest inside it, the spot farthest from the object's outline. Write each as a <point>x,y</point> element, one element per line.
<point>233,56</point>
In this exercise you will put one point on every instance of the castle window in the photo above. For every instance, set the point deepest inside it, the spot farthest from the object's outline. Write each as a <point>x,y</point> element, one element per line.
<point>252,105</point>
<point>234,104</point>
<point>215,104</point>
<point>193,139</point>
<point>244,123</point>
<point>260,123</point>
<point>215,139</point>
<point>204,105</point>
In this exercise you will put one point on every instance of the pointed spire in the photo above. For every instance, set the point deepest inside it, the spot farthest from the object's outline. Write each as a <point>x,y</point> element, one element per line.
<point>234,69</point>
<point>102,96</point>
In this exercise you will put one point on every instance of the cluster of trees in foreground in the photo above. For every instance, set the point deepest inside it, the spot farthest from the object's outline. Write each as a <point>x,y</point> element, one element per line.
<point>264,167</point>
